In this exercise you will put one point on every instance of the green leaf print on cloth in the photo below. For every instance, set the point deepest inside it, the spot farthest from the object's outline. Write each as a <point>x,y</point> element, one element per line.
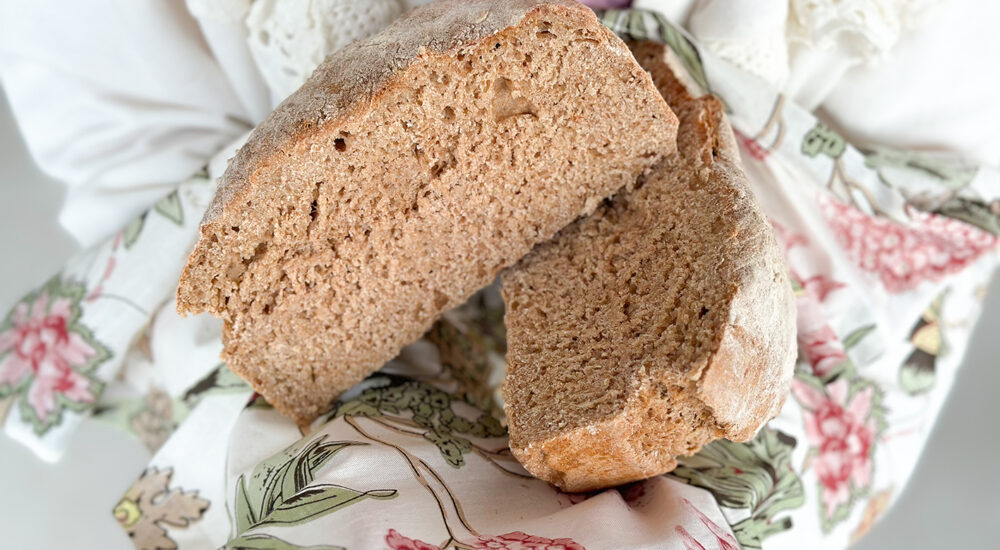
<point>856,336</point>
<point>917,373</point>
<point>279,491</point>
<point>973,212</point>
<point>640,24</point>
<point>822,140</point>
<point>47,357</point>
<point>939,182</point>
<point>756,476</point>
<point>431,411</point>
<point>264,541</point>
<point>218,382</point>
<point>169,207</point>
<point>950,174</point>
<point>132,231</point>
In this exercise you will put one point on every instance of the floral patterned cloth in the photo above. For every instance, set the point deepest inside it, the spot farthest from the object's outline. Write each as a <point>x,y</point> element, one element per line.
<point>61,346</point>
<point>889,253</point>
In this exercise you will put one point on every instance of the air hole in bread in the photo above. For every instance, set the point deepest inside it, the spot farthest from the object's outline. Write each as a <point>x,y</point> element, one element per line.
<point>508,101</point>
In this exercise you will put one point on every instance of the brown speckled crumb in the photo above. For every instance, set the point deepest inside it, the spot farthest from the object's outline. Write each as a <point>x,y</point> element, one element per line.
<point>403,176</point>
<point>661,322</point>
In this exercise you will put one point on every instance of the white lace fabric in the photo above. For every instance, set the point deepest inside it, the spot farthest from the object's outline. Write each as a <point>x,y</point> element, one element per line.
<point>289,38</point>
<point>804,47</point>
<point>750,35</point>
<point>863,29</point>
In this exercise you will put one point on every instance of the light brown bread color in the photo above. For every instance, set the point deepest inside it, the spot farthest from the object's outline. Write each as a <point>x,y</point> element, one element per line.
<point>403,176</point>
<point>661,322</point>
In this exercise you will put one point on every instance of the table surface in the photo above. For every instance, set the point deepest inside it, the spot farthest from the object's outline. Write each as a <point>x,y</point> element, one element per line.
<point>952,501</point>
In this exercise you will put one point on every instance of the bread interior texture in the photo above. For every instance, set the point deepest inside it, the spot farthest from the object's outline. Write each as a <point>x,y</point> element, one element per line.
<point>348,243</point>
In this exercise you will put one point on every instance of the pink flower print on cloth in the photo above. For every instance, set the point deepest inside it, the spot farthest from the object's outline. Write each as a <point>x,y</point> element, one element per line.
<point>821,286</point>
<point>522,541</point>
<point>723,540</point>
<point>752,146</point>
<point>905,256</point>
<point>47,357</point>
<point>819,344</point>
<point>396,541</point>
<point>842,430</point>
<point>511,541</point>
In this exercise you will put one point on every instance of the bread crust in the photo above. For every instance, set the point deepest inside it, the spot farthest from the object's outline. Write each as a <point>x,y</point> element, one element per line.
<point>733,391</point>
<point>746,382</point>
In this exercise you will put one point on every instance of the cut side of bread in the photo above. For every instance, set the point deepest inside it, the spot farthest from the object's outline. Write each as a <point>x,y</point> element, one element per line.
<point>403,176</point>
<point>662,322</point>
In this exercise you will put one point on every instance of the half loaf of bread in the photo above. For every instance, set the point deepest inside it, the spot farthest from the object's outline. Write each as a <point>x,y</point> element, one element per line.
<point>403,176</point>
<point>663,321</point>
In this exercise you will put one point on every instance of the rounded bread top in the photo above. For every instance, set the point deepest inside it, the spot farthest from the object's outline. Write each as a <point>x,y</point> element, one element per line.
<point>351,79</point>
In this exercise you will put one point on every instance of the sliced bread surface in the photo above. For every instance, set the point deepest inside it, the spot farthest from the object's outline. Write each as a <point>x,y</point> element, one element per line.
<point>403,176</point>
<point>663,321</point>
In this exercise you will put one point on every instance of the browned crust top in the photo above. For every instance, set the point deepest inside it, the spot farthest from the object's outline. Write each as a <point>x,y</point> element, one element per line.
<point>349,80</point>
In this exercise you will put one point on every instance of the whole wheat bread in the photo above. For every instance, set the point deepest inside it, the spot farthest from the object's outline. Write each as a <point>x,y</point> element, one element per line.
<point>403,176</point>
<point>663,321</point>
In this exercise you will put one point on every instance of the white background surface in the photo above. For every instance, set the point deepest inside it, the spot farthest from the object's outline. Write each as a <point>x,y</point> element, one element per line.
<point>953,501</point>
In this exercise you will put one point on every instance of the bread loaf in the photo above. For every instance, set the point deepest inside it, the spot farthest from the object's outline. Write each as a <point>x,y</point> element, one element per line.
<point>403,176</point>
<point>663,321</point>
